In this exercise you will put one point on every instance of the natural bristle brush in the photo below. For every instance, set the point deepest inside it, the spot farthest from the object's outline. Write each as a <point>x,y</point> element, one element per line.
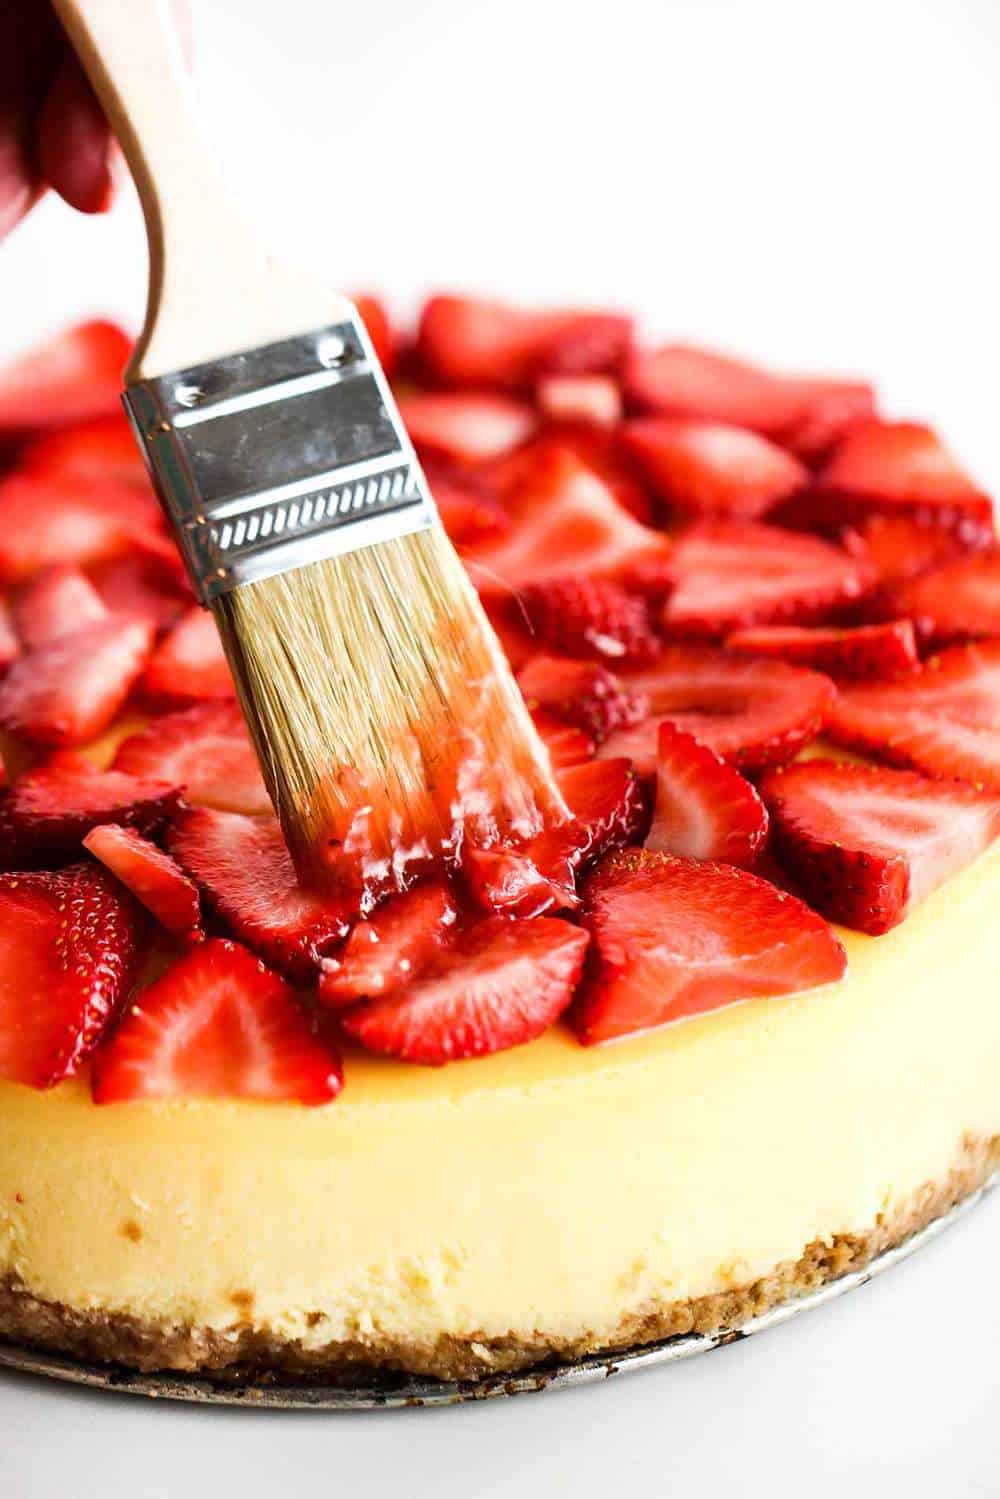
<point>384,714</point>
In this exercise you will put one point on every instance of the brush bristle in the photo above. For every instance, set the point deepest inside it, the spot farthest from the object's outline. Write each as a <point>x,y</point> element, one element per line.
<point>386,719</point>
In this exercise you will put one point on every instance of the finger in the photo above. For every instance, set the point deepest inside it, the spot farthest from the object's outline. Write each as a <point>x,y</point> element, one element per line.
<point>74,142</point>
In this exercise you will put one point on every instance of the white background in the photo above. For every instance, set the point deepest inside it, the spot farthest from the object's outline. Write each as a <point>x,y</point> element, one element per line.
<point>810,181</point>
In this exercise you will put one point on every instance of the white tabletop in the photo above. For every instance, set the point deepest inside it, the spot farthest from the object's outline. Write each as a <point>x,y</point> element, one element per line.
<point>813,184</point>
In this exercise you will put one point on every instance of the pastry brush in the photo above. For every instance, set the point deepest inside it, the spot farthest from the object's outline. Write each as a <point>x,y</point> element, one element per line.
<point>382,709</point>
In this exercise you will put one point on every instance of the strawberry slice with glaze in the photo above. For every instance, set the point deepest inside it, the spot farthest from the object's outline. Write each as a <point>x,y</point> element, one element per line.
<point>805,413</point>
<point>217,1024</point>
<point>704,808</point>
<point>55,520</point>
<point>70,690</point>
<point>59,602</point>
<point>523,879</point>
<point>587,399</point>
<point>943,719</point>
<point>673,937</point>
<point>501,984</point>
<point>204,750</point>
<point>516,474</point>
<point>48,809</point>
<point>732,575</point>
<point>10,645</point>
<point>246,874</point>
<point>894,468</point>
<point>468,508</point>
<point>73,377</point>
<point>466,427</point>
<point>583,616</point>
<point>141,586</point>
<point>960,601</point>
<point>375,317</point>
<point>897,547</point>
<point>711,469</point>
<point>479,342</point>
<point>189,665</point>
<point>102,448</point>
<point>608,807</point>
<point>583,693</point>
<point>566,743</point>
<point>152,876</point>
<point>389,949</point>
<point>70,952</point>
<point>873,651</point>
<point>751,713</point>
<point>867,844</point>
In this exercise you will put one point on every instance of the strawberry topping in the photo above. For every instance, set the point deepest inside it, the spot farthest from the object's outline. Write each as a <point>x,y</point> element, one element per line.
<point>583,693</point>
<point>69,690</point>
<point>897,547</point>
<point>153,877</point>
<point>474,341</point>
<point>204,750</point>
<point>50,521</point>
<point>580,398</point>
<point>582,616</point>
<point>102,448</point>
<point>48,810</point>
<point>390,948</point>
<point>465,427</point>
<point>76,376</point>
<point>10,645</point>
<point>59,602</point>
<point>960,601</point>
<point>704,808</point>
<point>566,743</point>
<point>189,665</point>
<point>711,469</point>
<point>867,844</point>
<point>884,650</point>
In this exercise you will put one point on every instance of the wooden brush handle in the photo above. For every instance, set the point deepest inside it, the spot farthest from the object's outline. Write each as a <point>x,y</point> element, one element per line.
<point>213,290</point>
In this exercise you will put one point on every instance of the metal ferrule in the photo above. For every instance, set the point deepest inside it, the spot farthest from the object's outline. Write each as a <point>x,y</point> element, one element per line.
<point>275,458</point>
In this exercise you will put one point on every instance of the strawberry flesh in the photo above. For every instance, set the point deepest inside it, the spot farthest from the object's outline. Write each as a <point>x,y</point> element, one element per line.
<point>59,602</point>
<point>478,342</point>
<point>153,877</point>
<point>960,601</point>
<point>76,376</point>
<point>704,808</point>
<point>567,744</point>
<point>583,693</point>
<point>55,520</point>
<point>872,651</point>
<point>466,428</point>
<point>217,1024</point>
<point>206,751</point>
<point>48,809</point>
<point>867,844</point>
<point>579,398</point>
<point>10,645</point>
<point>189,664</point>
<point>673,937</point>
<point>389,949</point>
<point>710,469</point>
<point>581,616</point>
<point>70,690</point>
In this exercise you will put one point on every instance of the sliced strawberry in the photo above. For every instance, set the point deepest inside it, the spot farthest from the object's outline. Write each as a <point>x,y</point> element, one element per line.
<point>565,521</point>
<point>48,809</point>
<point>608,807</point>
<point>76,376</point>
<point>58,603</point>
<point>153,877</point>
<point>102,448</point>
<point>56,521</point>
<point>465,427</point>
<point>711,469</point>
<point>595,617</point>
<point>732,575</point>
<point>217,1024</point>
<point>468,509</point>
<point>883,650</point>
<point>943,719</point>
<point>567,745</point>
<point>583,693</point>
<point>519,473</point>
<point>960,601</point>
<point>69,691</point>
<point>380,330</point>
<point>897,548</point>
<point>390,948</point>
<point>70,952</point>
<point>804,413</point>
<point>751,713</point>
<point>501,984</point>
<point>868,844</point>
<point>676,937</point>
<point>189,664</point>
<point>579,398</point>
<point>704,808</point>
<point>141,586</point>
<point>204,750</point>
<point>895,468</point>
<point>246,873</point>
<point>10,645</point>
<point>522,880</point>
<point>473,341</point>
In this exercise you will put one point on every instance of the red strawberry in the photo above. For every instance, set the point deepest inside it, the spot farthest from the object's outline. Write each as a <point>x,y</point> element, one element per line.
<point>217,1024</point>
<point>76,376</point>
<point>102,448</point>
<point>566,521</point>
<point>48,809</point>
<point>10,646</point>
<point>709,468</point>
<point>607,804</point>
<point>473,341</point>
<point>141,586</point>
<point>675,937</point>
<point>204,750</point>
<point>567,745</point>
<point>704,808</point>
<point>189,664</point>
<point>465,427</point>
<point>50,521</point>
<point>884,650</point>
<point>943,719</point>
<point>380,330</point>
<point>58,603</point>
<point>804,413</point>
<point>246,873</point>
<point>519,474</point>
<point>501,984</point>
<point>522,879</point>
<point>390,948</point>
<point>152,876</point>
<point>69,955</point>
<point>751,713</point>
<point>960,601</point>
<point>897,548</point>
<point>731,575</point>
<point>467,507</point>
<point>69,691</point>
<point>896,468</point>
<point>868,844</point>
<point>584,616</point>
<point>583,693</point>
<point>579,398</point>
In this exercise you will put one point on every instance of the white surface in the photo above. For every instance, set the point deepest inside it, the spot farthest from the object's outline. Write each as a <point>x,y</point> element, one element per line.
<point>813,183</point>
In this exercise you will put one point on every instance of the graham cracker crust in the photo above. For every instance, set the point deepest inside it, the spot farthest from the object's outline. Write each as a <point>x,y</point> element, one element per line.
<point>246,1351</point>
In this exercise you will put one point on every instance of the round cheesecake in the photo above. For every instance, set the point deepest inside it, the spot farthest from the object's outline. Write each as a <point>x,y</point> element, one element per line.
<point>547,1201</point>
